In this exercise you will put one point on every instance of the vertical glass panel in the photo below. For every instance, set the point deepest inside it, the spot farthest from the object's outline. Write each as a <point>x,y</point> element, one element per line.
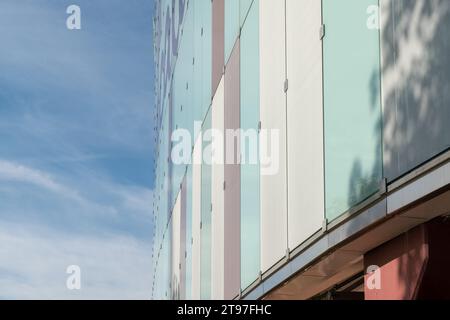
<point>183,243</point>
<point>273,184</point>
<point>164,169</point>
<point>206,55</point>
<point>218,42</point>
<point>189,234</point>
<point>202,60</point>
<point>232,197</point>
<point>243,10</point>
<point>175,249</point>
<point>416,83</point>
<point>217,195</point>
<point>183,80</point>
<point>198,64</point>
<point>205,260</point>
<point>232,17</point>
<point>182,92</point>
<point>250,203</point>
<point>196,219</point>
<point>304,121</point>
<point>353,169</point>
<point>166,260</point>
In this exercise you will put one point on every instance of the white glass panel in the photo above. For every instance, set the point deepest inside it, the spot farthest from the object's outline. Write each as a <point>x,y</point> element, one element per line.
<point>176,249</point>
<point>273,133</point>
<point>196,218</point>
<point>218,176</point>
<point>305,120</point>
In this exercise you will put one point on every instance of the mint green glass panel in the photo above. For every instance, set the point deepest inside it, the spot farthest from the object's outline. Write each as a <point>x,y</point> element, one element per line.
<point>202,61</point>
<point>243,11</point>
<point>205,233</point>
<point>166,263</point>
<point>183,80</point>
<point>352,109</point>
<point>162,290</point>
<point>232,25</point>
<point>250,204</point>
<point>163,168</point>
<point>206,55</point>
<point>181,100</point>
<point>162,242</point>
<point>198,64</point>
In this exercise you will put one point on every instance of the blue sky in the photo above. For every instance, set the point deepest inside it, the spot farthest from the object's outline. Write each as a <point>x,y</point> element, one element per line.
<point>76,151</point>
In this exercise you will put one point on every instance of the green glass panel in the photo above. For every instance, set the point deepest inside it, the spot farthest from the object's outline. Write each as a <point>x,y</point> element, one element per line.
<point>166,264</point>
<point>202,63</point>
<point>352,110</point>
<point>206,55</point>
<point>163,168</point>
<point>243,11</point>
<point>181,101</point>
<point>250,211</point>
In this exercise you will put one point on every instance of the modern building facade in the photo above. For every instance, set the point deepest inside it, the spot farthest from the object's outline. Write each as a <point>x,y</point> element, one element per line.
<point>351,100</point>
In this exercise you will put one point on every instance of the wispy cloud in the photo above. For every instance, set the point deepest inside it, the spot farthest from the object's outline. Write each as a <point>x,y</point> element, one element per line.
<point>14,172</point>
<point>81,202</point>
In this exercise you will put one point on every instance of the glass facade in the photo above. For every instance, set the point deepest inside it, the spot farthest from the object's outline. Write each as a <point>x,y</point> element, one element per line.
<point>272,114</point>
<point>243,10</point>
<point>415,87</point>
<point>206,209</point>
<point>306,212</point>
<point>250,213</point>
<point>189,234</point>
<point>352,107</point>
<point>232,177</point>
<point>341,134</point>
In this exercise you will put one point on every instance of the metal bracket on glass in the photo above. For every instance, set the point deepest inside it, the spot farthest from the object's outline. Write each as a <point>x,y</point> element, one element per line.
<point>383,186</point>
<point>322,32</point>
<point>325,226</point>
<point>288,255</point>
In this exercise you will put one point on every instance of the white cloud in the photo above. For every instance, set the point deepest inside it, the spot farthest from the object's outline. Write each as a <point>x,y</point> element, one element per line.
<point>134,199</point>
<point>16,172</point>
<point>46,182</point>
<point>33,264</point>
<point>34,254</point>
